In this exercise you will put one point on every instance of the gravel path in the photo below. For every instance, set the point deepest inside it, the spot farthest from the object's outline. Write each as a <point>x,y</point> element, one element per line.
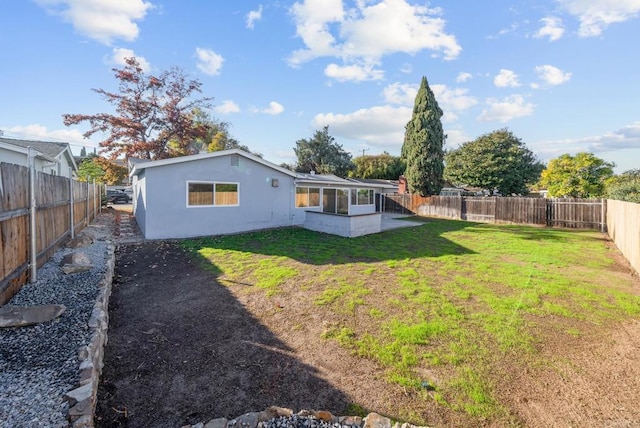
<point>38,364</point>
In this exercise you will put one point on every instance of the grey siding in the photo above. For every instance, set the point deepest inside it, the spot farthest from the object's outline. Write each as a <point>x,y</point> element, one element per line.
<point>161,199</point>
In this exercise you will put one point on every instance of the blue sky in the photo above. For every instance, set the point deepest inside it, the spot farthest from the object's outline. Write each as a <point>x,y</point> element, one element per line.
<point>562,75</point>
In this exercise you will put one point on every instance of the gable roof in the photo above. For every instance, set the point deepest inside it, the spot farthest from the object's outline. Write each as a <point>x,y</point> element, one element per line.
<point>48,149</point>
<point>138,166</point>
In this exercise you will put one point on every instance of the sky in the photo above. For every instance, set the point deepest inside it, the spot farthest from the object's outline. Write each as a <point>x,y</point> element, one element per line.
<point>562,75</point>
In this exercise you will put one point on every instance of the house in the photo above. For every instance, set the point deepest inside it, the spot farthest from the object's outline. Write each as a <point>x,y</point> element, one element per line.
<point>50,157</point>
<point>234,191</point>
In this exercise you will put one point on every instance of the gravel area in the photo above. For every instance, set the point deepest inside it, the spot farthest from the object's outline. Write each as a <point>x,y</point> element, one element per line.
<point>39,364</point>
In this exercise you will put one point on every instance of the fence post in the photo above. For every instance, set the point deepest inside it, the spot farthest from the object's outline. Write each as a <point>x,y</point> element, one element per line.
<point>72,205</point>
<point>33,256</point>
<point>603,220</point>
<point>95,209</point>
<point>86,214</point>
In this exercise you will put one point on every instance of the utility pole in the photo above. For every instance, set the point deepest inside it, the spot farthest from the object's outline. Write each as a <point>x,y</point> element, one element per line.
<point>364,150</point>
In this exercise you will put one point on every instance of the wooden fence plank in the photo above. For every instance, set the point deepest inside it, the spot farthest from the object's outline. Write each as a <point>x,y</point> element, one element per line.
<point>52,220</point>
<point>566,212</point>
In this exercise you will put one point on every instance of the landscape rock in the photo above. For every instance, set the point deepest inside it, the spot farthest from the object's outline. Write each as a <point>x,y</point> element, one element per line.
<point>217,423</point>
<point>248,420</point>
<point>79,394</point>
<point>18,316</point>
<point>84,239</point>
<point>374,420</point>
<point>75,263</point>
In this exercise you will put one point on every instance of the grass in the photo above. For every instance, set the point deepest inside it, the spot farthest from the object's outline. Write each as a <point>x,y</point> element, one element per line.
<point>449,297</point>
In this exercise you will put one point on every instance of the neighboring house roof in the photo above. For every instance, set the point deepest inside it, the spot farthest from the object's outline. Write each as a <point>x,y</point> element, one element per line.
<point>385,184</point>
<point>139,166</point>
<point>49,150</point>
<point>325,179</point>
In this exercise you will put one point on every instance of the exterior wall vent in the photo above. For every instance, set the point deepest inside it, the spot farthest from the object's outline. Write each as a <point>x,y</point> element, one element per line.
<point>275,182</point>
<point>235,160</point>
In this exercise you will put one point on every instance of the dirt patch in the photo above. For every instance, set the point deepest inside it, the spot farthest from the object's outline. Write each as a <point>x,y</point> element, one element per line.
<point>182,349</point>
<point>185,349</point>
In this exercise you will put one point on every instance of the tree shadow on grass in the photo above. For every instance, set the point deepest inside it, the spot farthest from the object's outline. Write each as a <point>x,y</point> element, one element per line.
<point>318,248</point>
<point>182,349</point>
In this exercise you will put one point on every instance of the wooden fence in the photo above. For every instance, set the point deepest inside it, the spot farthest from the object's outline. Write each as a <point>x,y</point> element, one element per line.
<point>59,202</point>
<point>565,212</point>
<point>623,225</point>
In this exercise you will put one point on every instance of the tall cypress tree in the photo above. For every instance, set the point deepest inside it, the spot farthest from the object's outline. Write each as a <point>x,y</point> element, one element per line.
<point>422,149</point>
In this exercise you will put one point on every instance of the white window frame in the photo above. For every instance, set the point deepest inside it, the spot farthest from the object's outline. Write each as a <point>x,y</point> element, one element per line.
<point>354,198</point>
<point>308,199</point>
<point>213,184</point>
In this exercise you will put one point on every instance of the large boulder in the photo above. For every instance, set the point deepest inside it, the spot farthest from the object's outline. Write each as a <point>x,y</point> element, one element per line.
<point>75,262</point>
<point>18,316</point>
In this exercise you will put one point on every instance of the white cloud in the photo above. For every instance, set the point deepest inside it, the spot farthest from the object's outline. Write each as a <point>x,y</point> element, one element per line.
<point>455,137</point>
<point>400,93</point>
<point>101,20</point>
<point>253,16</point>
<point>627,137</point>
<point>463,77</point>
<point>119,56</point>
<point>39,132</point>
<point>513,27</point>
<point>381,126</point>
<point>209,62</point>
<point>552,28</point>
<point>453,99</point>
<point>406,68</point>
<point>274,109</point>
<point>505,109</point>
<point>357,73</point>
<point>552,75</point>
<point>369,31</point>
<point>506,78</point>
<point>227,107</point>
<point>596,15</point>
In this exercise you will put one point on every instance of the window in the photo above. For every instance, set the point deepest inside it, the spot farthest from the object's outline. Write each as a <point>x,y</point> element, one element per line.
<point>362,197</point>
<point>307,197</point>
<point>207,194</point>
<point>335,201</point>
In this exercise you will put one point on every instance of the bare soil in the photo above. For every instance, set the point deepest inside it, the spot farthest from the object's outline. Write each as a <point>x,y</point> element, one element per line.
<point>184,349</point>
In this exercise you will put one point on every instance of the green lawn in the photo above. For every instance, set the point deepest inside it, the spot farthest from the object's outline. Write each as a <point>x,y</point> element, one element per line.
<point>442,306</point>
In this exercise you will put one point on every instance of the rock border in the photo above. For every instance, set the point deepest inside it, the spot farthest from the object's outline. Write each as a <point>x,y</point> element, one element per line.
<point>82,400</point>
<point>275,416</point>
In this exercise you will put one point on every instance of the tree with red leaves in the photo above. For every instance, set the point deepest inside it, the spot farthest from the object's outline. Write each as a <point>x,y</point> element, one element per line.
<point>155,115</point>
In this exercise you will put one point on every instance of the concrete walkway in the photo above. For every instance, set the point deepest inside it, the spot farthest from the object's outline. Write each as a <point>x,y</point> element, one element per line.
<point>395,221</point>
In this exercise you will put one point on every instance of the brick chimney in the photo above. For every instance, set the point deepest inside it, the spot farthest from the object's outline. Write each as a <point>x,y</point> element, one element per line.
<point>402,184</point>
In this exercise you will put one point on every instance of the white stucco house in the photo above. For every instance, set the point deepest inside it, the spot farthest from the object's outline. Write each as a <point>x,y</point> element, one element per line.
<point>234,191</point>
<point>50,157</point>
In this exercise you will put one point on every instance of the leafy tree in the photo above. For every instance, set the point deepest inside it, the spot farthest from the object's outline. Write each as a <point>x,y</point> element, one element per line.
<point>114,172</point>
<point>495,161</point>
<point>624,187</point>
<point>217,137</point>
<point>151,112</point>
<point>580,176</point>
<point>423,140</point>
<point>322,154</point>
<point>89,169</point>
<point>103,170</point>
<point>382,166</point>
